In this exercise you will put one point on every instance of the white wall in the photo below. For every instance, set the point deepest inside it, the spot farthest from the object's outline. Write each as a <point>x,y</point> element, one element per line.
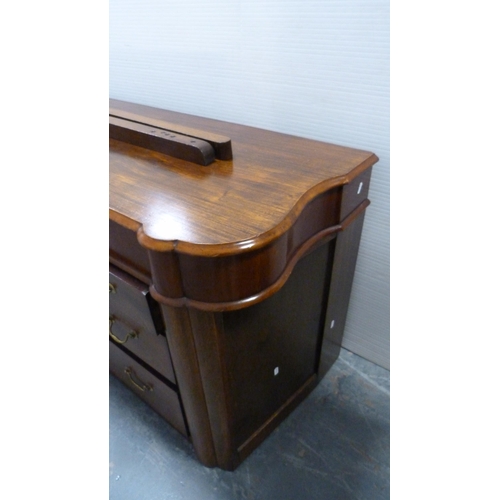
<point>317,68</point>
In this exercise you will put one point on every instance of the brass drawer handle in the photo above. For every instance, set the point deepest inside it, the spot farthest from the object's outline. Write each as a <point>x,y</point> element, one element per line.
<point>141,386</point>
<point>112,288</point>
<point>130,335</point>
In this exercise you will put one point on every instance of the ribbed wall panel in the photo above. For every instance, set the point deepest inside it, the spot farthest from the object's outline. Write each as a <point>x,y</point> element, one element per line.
<point>318,69</point>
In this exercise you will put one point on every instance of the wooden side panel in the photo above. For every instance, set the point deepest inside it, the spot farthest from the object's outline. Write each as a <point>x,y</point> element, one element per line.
<point>344,265</point>
<point>241,372</point>
<point>271,348</point>
<point>189,381</point>
<point>208,335</point>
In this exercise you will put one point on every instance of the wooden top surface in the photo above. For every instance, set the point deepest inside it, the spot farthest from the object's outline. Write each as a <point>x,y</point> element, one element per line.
<point>249,199</point>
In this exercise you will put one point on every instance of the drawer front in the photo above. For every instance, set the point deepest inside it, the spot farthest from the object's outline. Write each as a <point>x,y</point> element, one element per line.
<point>150,347</point>
<point>164,400</point>
<point>132,322</point>
<point>125,249</point>
<point>355,192</point>
<point>129,300</point>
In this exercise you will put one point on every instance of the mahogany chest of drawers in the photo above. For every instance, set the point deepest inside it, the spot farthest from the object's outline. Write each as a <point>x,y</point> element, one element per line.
<point>232,253</point>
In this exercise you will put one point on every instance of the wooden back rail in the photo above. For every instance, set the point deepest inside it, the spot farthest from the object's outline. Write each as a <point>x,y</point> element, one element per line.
<point>180,142</point>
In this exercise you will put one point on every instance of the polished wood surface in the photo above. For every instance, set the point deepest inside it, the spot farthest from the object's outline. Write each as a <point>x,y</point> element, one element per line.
<point>342,274</point>
<point>250,262</point>
<point>132,311</point>
<point>130,299</point>
<point>244,222</point>
<point>272,348</point>
<point>256,196</point>
<point>160,395</point>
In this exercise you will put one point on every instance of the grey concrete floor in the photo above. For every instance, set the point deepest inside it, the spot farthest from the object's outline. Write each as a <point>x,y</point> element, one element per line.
<point>334,446</point>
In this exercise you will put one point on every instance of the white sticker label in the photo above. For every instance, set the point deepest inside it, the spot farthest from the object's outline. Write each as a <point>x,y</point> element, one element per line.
<point>332,324</point>
<point>276,371</point>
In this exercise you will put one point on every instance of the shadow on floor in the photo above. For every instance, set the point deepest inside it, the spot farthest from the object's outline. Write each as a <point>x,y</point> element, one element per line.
<point>334,446</point>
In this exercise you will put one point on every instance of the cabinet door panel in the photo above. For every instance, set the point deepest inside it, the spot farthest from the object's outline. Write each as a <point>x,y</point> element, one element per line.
<point>272,348</point>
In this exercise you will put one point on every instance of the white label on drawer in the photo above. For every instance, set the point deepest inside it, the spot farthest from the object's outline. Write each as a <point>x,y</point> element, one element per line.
<point>360,187</point>
<point>276,371</point>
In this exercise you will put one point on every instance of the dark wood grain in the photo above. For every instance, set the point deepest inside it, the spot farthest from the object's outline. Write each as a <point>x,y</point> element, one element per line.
<point>271,348</point>
<point>344,265</point>
<point>161,397</point>
<point>242,223</point>
<point>251,260</point>
<point>220,143</point>
<point>355,192</point>
<point>126,252</point>
<point>162,141</point>
<point>132,309</point>
<point>253,365</point>
<point>207,329</point>
<point>190,382</point>
<point>246,201</point>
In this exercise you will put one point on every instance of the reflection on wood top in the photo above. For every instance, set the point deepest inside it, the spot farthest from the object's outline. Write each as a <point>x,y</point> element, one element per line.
<point>260,192</point>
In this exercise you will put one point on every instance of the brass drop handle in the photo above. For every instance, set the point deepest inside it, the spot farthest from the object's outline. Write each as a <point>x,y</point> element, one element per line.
<point>141,386</point>
<point>112,288</point>
<point>130,335</point>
